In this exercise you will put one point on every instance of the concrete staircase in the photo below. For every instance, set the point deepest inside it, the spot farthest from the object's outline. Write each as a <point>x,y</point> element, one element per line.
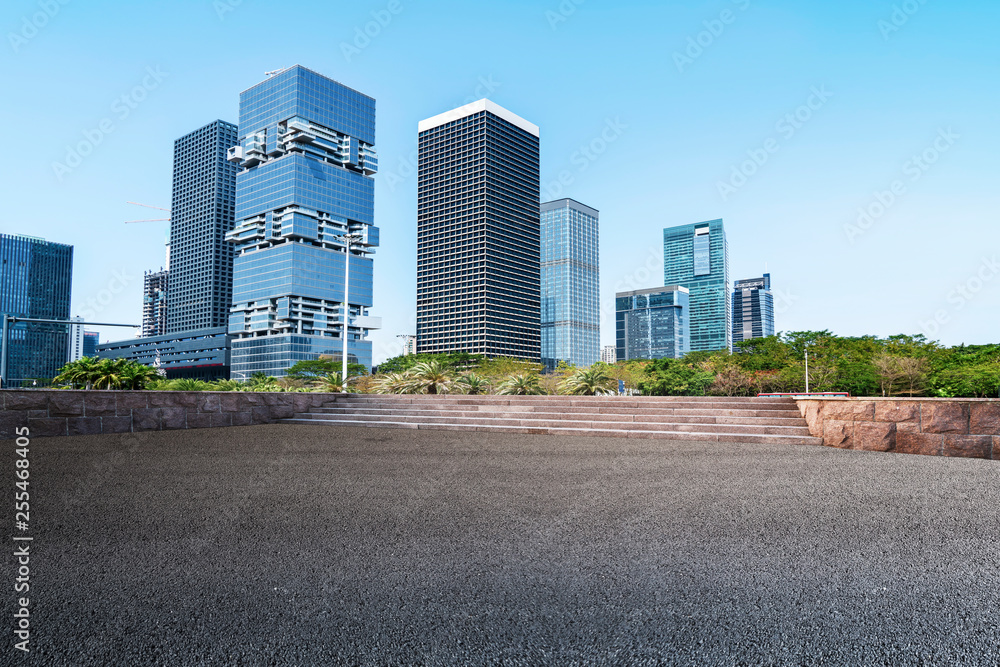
<point>711,419</point>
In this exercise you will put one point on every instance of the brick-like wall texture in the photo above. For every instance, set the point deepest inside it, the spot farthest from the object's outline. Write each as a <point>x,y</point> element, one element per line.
<point>49,412</point>
<point>962,427</point>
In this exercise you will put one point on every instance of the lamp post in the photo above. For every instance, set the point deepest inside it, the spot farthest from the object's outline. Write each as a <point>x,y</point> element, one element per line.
<point>807,369</point>
<point>348,240</point>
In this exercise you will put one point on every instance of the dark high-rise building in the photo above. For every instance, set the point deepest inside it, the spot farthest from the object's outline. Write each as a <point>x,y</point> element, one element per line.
<point>307,178</point>
<point>571,314</point>
<point>652,323</point>
<point>36,280</point>
<point>697,257</point>
<point>478,234</point>
<point>154,302</point>
<point>753,309</point>
<point>201,214</point>
<point>91,339</point>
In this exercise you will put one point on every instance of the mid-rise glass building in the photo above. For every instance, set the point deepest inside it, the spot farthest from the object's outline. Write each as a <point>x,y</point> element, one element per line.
<point>753,309</point>
<point>697,257</point>
<point>36,281</point>
<point>307,161</point>
<point>653,323</point>
<point>478,255</point>
<point>201,214</point>
<point>571,317</point>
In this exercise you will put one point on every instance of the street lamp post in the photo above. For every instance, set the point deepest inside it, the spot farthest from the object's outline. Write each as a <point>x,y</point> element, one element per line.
<point>807,369</point>
<point>348,240</point>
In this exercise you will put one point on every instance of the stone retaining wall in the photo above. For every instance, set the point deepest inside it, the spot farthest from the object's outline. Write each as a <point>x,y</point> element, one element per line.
<point>49,412</point>
<point>961,427</point>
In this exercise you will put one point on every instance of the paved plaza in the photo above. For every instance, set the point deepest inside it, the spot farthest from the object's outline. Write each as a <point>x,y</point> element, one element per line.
<point>314,545</point>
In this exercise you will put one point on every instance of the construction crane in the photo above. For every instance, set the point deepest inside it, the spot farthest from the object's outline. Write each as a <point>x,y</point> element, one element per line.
<point>149,219</point>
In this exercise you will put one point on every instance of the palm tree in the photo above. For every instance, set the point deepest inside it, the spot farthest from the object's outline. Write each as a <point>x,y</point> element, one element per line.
<point>81,372</point>
<point>431,377</point>
<point>593,381</point>
<point>227,385</point>
<point>188,384</point>
<point>109,373</point>
<point>473,384</point>
<point>393,383</point>
<point>520,385</point>
<point>137,376</point>
<point>331,382</point>
<point>261,382</point>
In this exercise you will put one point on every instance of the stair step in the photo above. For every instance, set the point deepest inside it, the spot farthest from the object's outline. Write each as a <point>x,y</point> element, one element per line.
<point>516,412</point>
<point>750,438</point>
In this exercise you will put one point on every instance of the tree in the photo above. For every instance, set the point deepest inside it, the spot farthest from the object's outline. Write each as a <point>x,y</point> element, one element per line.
<point>309,370</point>
<point>473,384</point>
<point>430,377</point>
<point>520,385</point>
<point>675,377</point>
<point>593,381</point>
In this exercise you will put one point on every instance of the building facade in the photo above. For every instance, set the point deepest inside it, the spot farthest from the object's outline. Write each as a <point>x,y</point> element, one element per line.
<point>201,214</point>
<point>90,341</point>
<point>753,309</point>
<point>609,354</point>
<point>653,323</point>
<point>154,302</point>
<point>478,234</point>
<point>307,160</point>
<point>570,284</point>
<point>202,354</point>
<point>697,257</point>
<point>36,281</point>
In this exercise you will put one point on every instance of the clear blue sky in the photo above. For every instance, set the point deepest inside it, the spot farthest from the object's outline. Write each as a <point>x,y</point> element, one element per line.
<point>676,120</point>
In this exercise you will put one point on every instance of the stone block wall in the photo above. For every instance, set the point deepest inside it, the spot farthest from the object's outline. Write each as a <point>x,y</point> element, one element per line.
<point>50,412</point>
<point>930,426</point>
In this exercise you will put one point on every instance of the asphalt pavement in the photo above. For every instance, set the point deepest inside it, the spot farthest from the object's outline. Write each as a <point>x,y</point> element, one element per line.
<point>316,545</point>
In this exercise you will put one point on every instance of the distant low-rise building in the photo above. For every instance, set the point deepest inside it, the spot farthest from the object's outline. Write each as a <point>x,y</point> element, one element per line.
<point>653,323</point>
<point>203,354</point>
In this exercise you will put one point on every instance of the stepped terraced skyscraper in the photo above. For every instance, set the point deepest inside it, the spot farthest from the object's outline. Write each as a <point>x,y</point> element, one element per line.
<point>307,157</point>
<point>697,257</point>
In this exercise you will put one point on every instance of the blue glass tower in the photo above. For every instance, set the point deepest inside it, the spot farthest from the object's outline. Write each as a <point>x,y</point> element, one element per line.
<point>307,157</point>
<point>697,257</point>
<point>36,280</point>
<point>571,315</point>
<point>653,323</point>
<point>753,309</point>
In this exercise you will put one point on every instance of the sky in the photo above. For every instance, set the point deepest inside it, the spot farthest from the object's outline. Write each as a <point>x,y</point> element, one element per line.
<point>851,147</point>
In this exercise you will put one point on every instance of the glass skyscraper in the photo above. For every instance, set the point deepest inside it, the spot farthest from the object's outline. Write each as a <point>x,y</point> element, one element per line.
<point>571,315</point>
<point>478,255</point>
<point>36,281</point>
<point>697,257</point>
<point>653,323</point>
<point>753,309</point>
<point>201,214</point>
<point>307,156</point>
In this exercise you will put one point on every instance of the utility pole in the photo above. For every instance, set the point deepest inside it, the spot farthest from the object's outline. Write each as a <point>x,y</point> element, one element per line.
<point>807,369</point>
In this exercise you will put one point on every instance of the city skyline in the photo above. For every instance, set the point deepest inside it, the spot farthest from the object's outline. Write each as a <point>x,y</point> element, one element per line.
<point>819,166</point>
